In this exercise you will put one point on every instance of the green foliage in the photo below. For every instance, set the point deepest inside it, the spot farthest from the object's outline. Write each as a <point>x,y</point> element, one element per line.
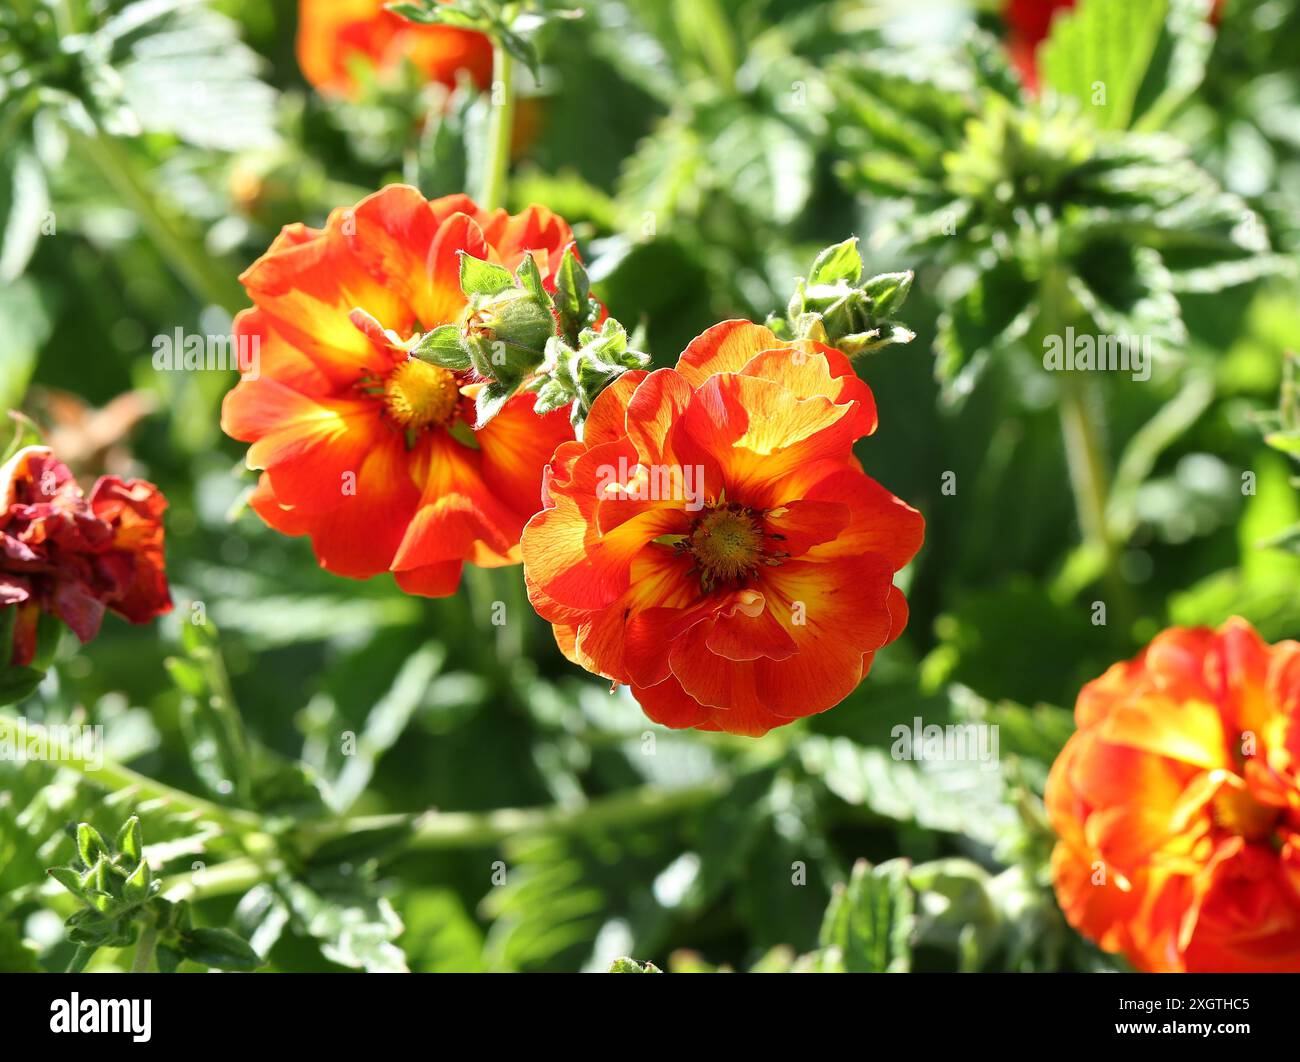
<point>1062,216</point>
<point>834,305</point>
<point>626,965</point>
<point>320,774</point>
<point>121,906</point>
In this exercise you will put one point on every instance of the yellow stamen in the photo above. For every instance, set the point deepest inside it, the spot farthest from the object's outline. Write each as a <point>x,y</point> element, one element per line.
<point>727,544</point>
<point>1234,809</point>
<point>418,394</point>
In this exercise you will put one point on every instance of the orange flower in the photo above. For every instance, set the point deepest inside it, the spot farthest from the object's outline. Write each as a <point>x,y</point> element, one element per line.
<point>1177,804</point>
<point>714,544</point>
<point>366,450</point>
<point>74,556</point>
<point>333,35</point>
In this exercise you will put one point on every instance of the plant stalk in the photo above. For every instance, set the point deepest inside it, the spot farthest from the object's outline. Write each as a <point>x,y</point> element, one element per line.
<point>110,775</point>
<point>1085,453</point>
<point>500,129</point>
<point>435,830</point>
<point>1087,466</point>
<point>144,949</point>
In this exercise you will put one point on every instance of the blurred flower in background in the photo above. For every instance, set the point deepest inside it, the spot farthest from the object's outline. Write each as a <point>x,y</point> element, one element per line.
<point>1028,24</point>
<point>72,555</point>
<point>337,38</point>
<point>1178,805</point>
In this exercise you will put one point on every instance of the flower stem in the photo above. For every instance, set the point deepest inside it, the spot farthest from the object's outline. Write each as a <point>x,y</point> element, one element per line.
<point>203,276</point>
<point>144,949</point>
<point>440,830</point>
<point>1083,453</point>
<point>110,775</point>
<point>1084,448</point>
<point>500,129</point>
<point>225,879</point>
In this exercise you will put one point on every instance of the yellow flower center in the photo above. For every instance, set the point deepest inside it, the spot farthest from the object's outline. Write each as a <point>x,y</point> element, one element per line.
<point>727,544</point>
<point>1235,810</point>
<point>418,394</point>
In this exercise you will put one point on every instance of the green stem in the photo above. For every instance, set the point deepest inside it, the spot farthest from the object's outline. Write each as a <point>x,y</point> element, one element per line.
<point>467,829</point>
<point>144,949</point>
<point>80,959</point>
<point>225,879</point>
<point>183,252</point>
<point>110,775</point>
<point>440,830</point>
<point>502,125</point>
<point>459,829</point>
<point>1081,434</point>
<point>1088,476</point>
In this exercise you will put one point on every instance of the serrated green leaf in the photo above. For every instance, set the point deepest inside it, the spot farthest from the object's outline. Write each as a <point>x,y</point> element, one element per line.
<point>888,292</point>
<point>443,347</point>
<point>130,840</point>
<point>992,313</point>
<point>138,882</point>
<point>91,847</point>
<point>572,290</point>
<point>530,279</point>
<point>478,277</point>
<point>490,400</point>
<point>1098,54</point>
<point>870,921</point>
<point>68,878</point>
<point>218,948</point>
<point>841,262</point>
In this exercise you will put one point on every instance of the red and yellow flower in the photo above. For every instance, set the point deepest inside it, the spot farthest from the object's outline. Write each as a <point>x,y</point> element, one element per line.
<point>713,543</point>
<point>1177,805</point>
<point>72,555</point>
<point>365,449</point>
<point>334,35</point>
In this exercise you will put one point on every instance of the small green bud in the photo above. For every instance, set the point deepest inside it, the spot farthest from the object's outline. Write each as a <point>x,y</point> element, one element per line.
<point>506,335</point>
<point>136,886</point>
<point>68,878</point>
<point>90,845</point>
<point>130,840</point>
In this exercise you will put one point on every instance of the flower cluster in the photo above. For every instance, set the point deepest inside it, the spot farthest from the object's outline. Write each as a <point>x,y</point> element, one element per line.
<point>368,449</point>
<point>1177,804</point>
<point>714,544</point>
<point>73,556</point>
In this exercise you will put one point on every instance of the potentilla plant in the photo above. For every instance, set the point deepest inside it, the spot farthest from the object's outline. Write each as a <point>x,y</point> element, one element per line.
<point>122,907</point>
<point>1068,223</point>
